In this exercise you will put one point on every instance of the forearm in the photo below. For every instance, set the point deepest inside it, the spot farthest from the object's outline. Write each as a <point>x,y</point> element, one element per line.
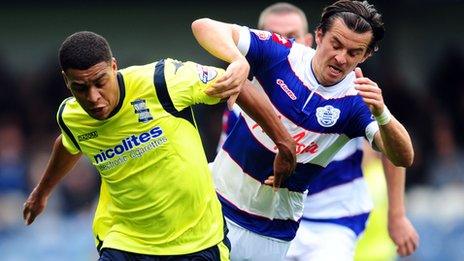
<point>395,143</point>
<point>218,38</point>
<point>59,164</point>
<point>259,108</point>
<point>395,178</point>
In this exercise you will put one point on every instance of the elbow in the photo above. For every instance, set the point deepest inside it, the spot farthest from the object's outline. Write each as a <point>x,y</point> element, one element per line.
<point>406,160</point>
<point>199,24</point>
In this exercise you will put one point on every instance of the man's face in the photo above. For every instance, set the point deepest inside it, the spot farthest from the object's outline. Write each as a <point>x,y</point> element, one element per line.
<point>289,25</point>
<point>96,89</point>
<point>338,52</point>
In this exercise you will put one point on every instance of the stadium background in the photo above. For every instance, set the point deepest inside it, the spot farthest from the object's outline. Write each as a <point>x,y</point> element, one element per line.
<point>419,67</point>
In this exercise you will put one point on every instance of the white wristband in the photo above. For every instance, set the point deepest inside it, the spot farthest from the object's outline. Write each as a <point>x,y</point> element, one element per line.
<point>383,118</point>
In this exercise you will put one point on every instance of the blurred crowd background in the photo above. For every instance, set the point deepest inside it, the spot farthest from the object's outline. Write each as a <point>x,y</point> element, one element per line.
<point>420,68</point>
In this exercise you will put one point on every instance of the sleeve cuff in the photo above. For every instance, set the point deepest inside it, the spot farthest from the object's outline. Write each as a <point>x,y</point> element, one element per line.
<point>244,40</point>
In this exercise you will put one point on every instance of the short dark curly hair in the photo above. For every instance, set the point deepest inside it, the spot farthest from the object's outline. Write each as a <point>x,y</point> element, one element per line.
<point>83,50</point>
<point>358,16</point>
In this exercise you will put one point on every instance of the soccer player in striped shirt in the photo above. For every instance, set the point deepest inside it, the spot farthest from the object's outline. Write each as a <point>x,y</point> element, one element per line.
<point>323,226</point>
<point>320,100</point>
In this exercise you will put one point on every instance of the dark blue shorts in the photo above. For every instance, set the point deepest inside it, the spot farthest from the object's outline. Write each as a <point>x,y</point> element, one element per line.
<point>209,254</point>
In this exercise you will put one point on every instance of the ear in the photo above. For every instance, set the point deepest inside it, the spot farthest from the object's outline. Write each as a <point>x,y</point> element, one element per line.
<point>308,39</point>
<point>66,80</point>
<point>114,64</point>
<point>367,55</point>
<point>318,36</point>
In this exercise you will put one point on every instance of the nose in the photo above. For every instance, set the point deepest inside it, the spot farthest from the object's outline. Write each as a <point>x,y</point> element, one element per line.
<point>341,57</point>
<point>93,95</point>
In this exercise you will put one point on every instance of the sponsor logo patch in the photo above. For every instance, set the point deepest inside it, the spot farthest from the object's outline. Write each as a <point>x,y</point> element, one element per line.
<point>262,35</point>
<point>281,40</point>
<point>285,88</point>
<point>206,73</point>
<point>87,136</point>
<point>327,116</point>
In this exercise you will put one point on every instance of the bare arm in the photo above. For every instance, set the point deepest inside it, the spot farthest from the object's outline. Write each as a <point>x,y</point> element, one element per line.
<point>259,108</point>
<point>60,163</point>
<point>392,139</point>
<point>220,40</point>
<point>400,229</point>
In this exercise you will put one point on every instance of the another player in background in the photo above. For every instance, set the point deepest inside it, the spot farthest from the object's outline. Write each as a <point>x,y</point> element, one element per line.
<point>323,225</point>
<point>136,127</point>
<point>320,100</point>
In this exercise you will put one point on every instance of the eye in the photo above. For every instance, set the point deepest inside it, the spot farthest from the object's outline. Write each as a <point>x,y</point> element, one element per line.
<point>354,53</point>
<point>79,87</point>
<point>100,83</point>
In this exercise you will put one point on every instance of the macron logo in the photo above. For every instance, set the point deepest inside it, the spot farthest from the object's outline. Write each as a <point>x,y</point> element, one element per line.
<point>285,88</point>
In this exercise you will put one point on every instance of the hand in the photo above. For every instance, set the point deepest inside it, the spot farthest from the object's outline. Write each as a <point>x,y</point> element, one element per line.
<point>284,165</point>
<point>230,84</point>
<point>403,234</point>
<point>370,92</point>
<point>33,206</point>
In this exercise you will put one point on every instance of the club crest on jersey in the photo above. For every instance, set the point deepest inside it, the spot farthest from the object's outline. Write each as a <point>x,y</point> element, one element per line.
<point>262,35</point>
<point>327,116</point>
<point>206,73</point>
<point>140,108</point>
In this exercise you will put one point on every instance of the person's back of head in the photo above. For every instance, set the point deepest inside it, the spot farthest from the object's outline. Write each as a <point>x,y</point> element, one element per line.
<point>286,20</point>
<point>82,50</point>
<point>357,16</point>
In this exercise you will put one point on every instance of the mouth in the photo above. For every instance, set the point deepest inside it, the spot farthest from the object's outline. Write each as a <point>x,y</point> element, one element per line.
<point>334,70</point>
<point>99,111</point>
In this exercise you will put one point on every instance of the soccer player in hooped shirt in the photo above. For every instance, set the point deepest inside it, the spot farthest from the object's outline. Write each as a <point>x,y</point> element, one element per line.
<point>325,224</point>
<point>322,100</point>
<point>135,125</point>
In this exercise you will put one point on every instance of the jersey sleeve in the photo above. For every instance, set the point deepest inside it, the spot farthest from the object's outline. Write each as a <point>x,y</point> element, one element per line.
<point>362,123</point>
<point>262,49</point>
<point>186,82</point>
<point>67,138</point>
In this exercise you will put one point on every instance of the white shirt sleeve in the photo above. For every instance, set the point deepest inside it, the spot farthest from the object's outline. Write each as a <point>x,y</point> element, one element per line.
<point>244,41</point>
<point>371,130</point>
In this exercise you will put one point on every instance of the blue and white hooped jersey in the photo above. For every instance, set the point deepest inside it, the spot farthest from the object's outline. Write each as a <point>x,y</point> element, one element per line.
<point>340,194</point>
<point>320,119</point>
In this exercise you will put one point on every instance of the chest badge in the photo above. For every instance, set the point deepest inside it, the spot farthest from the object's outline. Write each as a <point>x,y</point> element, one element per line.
<point>140,108</point>
<point>327,116</point>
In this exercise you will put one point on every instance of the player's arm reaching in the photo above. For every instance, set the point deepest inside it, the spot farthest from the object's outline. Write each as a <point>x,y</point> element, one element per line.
<point>257,106</point>
<point>223,46</point>
<point>59,164</point>
<point>392,139</point>
<point>400,229</point>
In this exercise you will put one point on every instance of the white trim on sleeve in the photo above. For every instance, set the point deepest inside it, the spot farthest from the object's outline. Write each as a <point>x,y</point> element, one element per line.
<point>371,129</point>
<point>244,41</point>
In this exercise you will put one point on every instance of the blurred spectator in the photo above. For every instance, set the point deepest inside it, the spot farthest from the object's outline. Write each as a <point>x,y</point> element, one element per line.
<point>79,188</point>
<point>13,172</point>
<point>9,97</point>
<point>12,158</point>
<point>447,164</point>
<point>447,86</point>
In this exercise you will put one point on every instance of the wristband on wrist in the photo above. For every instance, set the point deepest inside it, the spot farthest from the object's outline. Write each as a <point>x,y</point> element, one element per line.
<point>383,118</point>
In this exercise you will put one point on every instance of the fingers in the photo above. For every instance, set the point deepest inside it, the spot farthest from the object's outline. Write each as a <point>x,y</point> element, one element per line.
<point>269,181</point>
<point>358,72</point>
<point>27,215</point>
<point>407,247</point>
<point>231,101</point>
